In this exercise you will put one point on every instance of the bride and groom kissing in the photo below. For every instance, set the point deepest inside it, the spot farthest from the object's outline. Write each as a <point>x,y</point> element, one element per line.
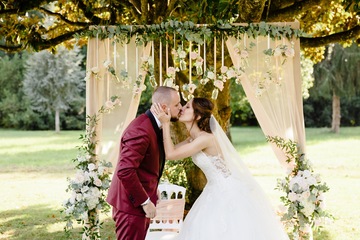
<point>232,205</point>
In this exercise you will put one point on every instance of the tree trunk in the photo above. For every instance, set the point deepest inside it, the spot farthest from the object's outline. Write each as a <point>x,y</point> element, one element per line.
<point>57,121</point>
<point>336,115</point>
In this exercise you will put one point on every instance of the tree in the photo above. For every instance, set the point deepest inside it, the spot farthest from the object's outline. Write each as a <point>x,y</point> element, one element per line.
<point>40,24</point>
<point>338,76</point>
<point>54,81</point>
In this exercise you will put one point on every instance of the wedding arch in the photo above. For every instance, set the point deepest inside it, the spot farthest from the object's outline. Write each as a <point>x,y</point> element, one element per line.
<point>265,61</point>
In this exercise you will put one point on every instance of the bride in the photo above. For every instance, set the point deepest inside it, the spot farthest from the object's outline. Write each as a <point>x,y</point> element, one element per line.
<point>232,205</point>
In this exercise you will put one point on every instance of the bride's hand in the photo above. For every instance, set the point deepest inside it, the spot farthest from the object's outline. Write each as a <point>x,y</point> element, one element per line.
<point>160,113</point>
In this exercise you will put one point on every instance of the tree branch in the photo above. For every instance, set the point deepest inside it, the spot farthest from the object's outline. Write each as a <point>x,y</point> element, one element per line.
<point>289,13</point>
<point>40,44</point>
<point>353,33</point>
<point>88,14</point>
<point>64,19</point>
<point>135,9</point>
<point>144,11</point>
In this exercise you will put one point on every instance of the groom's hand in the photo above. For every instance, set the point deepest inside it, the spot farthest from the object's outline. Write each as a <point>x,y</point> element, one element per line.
<point>150,210</point>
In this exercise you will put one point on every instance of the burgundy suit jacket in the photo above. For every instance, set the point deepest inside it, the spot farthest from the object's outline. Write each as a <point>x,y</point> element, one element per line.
<point>139,167</point>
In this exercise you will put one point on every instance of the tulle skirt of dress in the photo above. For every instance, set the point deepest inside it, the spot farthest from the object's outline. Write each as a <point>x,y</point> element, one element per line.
<point>232,210</point>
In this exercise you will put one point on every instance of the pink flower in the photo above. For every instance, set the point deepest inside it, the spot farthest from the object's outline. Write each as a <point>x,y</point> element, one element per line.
<point>194,55</point>
<point>244,54</point>
<point>289,52</point>
<point>219,84</point>
<point>224,69</point>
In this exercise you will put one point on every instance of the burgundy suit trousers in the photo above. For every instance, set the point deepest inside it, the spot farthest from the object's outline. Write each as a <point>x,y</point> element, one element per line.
<point>130,227</point>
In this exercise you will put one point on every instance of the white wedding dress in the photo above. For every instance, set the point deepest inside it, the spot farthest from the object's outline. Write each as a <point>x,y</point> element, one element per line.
<point>232,205</point>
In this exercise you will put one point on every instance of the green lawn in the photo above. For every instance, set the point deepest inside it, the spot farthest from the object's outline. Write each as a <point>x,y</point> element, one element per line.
<point>34,166</point>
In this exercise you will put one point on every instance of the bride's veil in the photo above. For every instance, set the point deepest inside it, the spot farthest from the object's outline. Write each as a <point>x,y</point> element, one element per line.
<point>228,151</point>
<point>254,193</point>
<point>236,166</point>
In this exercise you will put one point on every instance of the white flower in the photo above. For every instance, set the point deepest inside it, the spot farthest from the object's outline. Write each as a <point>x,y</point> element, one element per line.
<point>210,75</point>
<point>97,182</point>
<point>292,196</point>
<point>305,195</point>
<point>277,52</point>
<point>79,197</point>
<point>84,216</point>
<point>79,178</point>
<point>81,158</point>
<point>107,63</point>
<point>92,174</point>
<point>224,69</point>
<point>95,70</point>
<point>289,52</point>
<point>69,210</point>
<point>91,167</point>
<point>84,189</point>
<point>219,84</point>
<point>182,54</point>
<point>308,209</point>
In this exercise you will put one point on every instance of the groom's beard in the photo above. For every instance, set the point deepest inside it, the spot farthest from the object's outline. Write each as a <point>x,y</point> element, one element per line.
<point>174,119</point>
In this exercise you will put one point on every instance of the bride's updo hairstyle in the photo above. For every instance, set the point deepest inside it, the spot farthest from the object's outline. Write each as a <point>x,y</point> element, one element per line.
<point>203,108</point>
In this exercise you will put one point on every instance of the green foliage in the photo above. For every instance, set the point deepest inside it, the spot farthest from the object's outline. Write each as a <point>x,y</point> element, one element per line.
<point>54,82</point>
<point>338,73</point>
<point>188,31</point>
<point>318,112</point>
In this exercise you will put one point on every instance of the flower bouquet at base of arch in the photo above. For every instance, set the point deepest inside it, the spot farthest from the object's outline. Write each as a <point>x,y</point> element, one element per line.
<point>303,208</point>
<point>88,188</point>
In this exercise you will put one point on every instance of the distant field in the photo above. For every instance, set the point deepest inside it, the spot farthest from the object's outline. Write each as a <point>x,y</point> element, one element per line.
<point>34,166</point>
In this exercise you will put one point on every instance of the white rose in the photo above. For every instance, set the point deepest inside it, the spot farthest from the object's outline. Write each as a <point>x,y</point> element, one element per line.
<point>79,178</point>
<point>182,54</point>
<point>84,189</point>
<point>292,196</point>
<point>231,73</point>
<point>305,195</point>
<point>97,182</point>
<point>210,75</point>
<point>91,167</point>
<point>223,69</point>
<point>277,52</point>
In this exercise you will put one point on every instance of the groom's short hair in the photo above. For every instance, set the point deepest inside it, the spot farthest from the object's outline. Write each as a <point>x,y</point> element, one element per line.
<point>163,95</point>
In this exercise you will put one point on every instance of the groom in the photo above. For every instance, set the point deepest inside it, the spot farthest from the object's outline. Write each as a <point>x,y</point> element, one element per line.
<point>133,190</point>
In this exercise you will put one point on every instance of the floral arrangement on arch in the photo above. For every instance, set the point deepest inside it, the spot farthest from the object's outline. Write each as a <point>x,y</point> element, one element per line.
<point>88,188</point>
<point>303,201</point>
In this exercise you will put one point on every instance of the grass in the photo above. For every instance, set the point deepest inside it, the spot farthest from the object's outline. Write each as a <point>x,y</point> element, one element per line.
<point>34,167</point>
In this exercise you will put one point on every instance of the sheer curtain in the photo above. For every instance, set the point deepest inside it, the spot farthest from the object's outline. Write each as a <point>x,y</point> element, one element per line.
<point>273,87</point>
<point>112,70</point>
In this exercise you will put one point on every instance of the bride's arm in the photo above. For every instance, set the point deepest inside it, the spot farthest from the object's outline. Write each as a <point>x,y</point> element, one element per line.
<point>185,148</point>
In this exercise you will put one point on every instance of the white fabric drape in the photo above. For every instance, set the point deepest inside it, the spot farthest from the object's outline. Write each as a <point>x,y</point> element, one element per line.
<point>100,87</point>
<point>278,105</point>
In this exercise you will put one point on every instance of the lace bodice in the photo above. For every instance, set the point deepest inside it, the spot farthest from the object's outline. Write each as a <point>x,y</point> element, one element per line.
<point>214,167</point>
